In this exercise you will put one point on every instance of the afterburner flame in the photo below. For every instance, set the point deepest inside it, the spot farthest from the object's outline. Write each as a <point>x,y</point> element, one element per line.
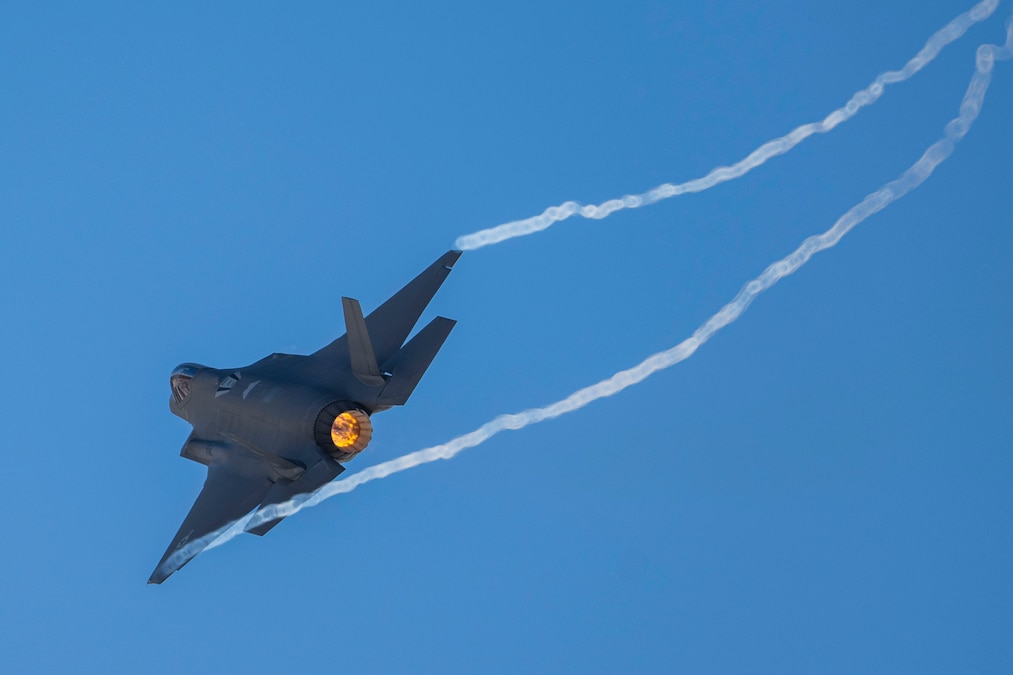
<point>345,430</point>
<point>351,431</point>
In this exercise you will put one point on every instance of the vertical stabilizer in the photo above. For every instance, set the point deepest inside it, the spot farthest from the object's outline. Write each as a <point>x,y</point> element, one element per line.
<point>360,348</point>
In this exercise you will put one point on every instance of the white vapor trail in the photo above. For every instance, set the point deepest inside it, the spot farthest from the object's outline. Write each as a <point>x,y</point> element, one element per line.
<point>554,214</point>
<point>914,176</point>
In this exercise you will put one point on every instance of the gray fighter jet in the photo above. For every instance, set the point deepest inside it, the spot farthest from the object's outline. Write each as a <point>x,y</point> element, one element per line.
<point>283,426</point>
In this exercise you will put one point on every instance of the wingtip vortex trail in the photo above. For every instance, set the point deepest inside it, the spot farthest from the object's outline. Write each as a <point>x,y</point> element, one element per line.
<point>949,33</point>
<point>915,175</point>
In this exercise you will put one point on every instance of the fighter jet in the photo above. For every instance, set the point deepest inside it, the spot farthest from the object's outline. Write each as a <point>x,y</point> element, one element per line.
<point>285,425</point>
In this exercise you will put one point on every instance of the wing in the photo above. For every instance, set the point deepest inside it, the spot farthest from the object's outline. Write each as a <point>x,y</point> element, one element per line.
<point>235,485</point>
<point>319,474</point>
<point>389,325</point>
<point>391,322</point>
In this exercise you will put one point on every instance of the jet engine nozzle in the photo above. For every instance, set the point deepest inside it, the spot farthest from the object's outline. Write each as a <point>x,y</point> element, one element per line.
<point>343,429</point>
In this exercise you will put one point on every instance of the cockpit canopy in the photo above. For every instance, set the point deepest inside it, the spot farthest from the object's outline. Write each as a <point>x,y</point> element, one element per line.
<point>180,380</point>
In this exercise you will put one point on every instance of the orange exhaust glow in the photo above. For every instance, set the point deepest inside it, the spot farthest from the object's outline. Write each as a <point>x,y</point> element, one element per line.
<point>351,431</point>
<point>345,430</point>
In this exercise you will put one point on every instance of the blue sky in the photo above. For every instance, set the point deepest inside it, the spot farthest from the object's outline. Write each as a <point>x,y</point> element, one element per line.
<point>823,487</point>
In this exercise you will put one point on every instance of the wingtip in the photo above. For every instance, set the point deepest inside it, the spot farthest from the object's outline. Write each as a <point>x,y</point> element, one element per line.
<point>164,570</point>
<point>450,257</point>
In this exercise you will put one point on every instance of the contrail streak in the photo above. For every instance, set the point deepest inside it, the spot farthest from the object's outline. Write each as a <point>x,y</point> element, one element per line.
<point>914,176</point>
<point>554,214</point>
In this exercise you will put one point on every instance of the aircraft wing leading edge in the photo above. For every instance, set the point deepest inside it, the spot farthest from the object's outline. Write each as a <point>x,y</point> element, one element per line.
<point>230,492</point>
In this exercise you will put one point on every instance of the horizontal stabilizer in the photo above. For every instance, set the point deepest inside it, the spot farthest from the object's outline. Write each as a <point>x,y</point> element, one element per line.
<point>360,348</point>
<point>409,365</point>
<point>321,473</point>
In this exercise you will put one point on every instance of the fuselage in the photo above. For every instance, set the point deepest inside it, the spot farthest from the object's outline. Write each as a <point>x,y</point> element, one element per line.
<point>247,407</point>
